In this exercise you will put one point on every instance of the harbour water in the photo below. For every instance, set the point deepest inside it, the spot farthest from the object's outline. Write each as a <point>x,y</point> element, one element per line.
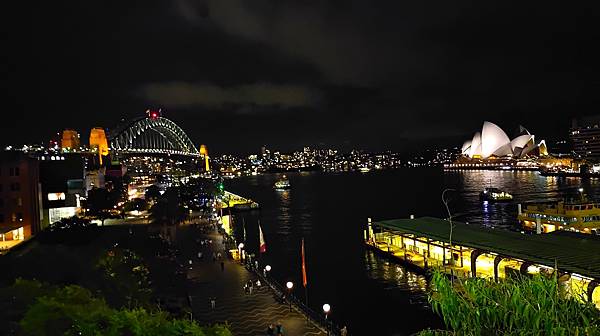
<point>369,294</point>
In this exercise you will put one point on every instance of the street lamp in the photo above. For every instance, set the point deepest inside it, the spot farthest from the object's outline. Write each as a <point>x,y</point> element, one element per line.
<point>326,310</point>
<point>240,249</point>
<point>289,286</point>
<point>445,201</point>
<point>266,270</point>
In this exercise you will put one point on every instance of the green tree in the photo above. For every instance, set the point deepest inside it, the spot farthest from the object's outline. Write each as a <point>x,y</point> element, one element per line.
<point>152,193</point>
<point>535,305</point>
<point>136,204</point>
<point>99,203</point>
<point>168,210</point>
<point>71,223</point>
<point>125,278</point>
<point>72,310</point>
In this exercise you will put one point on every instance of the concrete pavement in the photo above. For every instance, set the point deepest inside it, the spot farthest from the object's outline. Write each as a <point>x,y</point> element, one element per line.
<point>247,314</point>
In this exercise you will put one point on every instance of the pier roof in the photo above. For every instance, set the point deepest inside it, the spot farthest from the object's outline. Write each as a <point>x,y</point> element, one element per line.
<point>575,254</point>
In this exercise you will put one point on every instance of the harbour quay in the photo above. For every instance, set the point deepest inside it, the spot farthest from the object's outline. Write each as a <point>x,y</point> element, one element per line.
<point>476,251</point>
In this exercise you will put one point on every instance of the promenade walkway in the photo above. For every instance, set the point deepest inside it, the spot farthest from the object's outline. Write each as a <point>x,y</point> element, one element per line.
<point>247,314</point>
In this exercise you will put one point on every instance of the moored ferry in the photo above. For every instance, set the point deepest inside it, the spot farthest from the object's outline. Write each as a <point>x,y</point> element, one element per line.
<point>578,216</point>
<point>282,184</point>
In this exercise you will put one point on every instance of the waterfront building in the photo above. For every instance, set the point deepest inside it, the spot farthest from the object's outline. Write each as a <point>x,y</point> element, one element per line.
<point>585,137</point>
<point>476,251</point>
<point>20,198</point>
<point>492,141</point>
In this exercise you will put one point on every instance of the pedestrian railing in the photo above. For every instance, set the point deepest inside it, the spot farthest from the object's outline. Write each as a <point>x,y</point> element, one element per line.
<point>318,319</point>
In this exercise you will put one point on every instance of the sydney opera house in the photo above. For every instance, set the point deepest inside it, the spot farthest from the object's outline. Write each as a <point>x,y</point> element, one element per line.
<point>492,142</point>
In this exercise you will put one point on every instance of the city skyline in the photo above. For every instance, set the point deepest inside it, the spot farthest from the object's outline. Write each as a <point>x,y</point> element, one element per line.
<point>294,167</point>
<point>386,77</point>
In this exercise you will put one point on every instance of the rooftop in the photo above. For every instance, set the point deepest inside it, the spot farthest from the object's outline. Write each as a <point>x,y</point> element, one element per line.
<point>576,254</point>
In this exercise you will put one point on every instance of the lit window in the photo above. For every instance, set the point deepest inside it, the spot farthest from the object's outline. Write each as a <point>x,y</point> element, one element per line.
<point>56,196</point>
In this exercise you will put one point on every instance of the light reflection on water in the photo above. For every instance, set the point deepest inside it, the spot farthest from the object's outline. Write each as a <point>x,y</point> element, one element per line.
<point>330,212</point>
<point>393,276</point>
<point>525,186</point>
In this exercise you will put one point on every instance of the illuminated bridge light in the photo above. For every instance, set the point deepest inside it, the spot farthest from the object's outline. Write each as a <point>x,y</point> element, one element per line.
<point>152,134</point>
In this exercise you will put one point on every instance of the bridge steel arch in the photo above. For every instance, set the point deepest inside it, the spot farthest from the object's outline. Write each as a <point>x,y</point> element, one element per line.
<point>151,135</point>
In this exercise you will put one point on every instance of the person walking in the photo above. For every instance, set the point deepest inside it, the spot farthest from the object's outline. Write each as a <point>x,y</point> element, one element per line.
<point>200,255</point>
<point>270,329</point>
<point>222,266</point>
<point>279,329</point>
<point>213,302</point>
<point>344,331</point>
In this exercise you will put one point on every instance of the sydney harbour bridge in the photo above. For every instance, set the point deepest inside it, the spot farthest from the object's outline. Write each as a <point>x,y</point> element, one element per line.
<point>151,134</point>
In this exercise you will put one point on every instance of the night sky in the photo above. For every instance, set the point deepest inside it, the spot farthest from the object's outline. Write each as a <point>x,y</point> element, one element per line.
<point>239,74</point>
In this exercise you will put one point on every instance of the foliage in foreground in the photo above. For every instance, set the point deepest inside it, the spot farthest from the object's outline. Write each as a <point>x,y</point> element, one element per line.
<point>125,278</point>
<point>518,306</point>
<point>72,310</point>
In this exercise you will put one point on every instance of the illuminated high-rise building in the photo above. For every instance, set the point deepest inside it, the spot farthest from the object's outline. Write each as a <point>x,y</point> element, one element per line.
<point>585,137</point>
<point>70,140</point>
<point>204,154</point>
<point>98,142</point>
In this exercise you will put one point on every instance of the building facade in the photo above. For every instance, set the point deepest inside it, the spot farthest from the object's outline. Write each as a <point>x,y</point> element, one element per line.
<point>62,186</point>
<point>585,138</point>
<point>20,198</point>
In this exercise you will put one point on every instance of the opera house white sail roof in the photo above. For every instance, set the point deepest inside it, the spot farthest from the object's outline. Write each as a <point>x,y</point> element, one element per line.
<point>493,141</point>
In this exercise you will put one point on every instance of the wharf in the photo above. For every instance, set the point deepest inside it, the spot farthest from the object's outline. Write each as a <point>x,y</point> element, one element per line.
<point>236,202</point>
<point>569,174</point>
<point>490,253</point>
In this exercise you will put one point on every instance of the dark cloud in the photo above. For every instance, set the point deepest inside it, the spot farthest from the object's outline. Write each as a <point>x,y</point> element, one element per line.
<point>373,74</point>
<point>181,94</point>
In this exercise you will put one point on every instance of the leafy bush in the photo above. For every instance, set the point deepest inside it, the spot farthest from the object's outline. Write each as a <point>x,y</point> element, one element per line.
<point>70,231</point>
<point>519,306</point>
<point>125,278</point>
<point>72,310</point>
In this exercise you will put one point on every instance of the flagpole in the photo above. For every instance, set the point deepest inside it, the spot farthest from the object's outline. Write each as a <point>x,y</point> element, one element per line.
<point>259,242</point>
<point>244,227</point>
<point>304,280</point>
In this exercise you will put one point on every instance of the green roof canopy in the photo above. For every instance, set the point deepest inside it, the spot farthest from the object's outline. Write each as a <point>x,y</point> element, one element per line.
<point>574,254</point>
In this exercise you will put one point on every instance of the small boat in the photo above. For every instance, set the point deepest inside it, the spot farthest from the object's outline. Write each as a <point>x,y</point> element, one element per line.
<point>282,184</point>
<point>495,195</point>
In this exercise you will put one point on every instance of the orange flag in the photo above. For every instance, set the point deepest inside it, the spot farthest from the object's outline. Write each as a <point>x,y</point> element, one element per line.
<point>304,282</point>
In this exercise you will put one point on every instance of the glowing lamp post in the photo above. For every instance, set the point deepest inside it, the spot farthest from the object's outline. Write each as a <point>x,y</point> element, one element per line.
<point>326,310</point>
<point>289,286</point>
<point>241,249</point>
